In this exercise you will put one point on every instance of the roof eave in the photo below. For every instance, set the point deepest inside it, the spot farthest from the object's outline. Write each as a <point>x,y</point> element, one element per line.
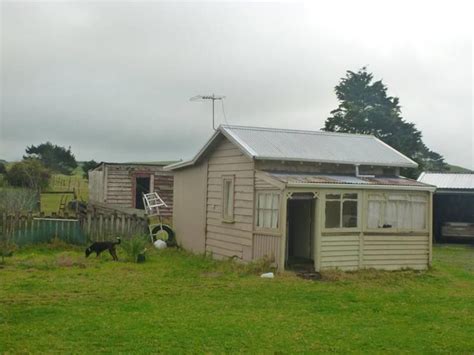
<point>392,165</point>
<point>362,187</point>
<point>193,161</point>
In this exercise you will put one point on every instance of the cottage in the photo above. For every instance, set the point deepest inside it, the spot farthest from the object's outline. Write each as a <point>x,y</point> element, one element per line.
<point>121,185</point>
<point>333,200</point>
<point>453,206</point>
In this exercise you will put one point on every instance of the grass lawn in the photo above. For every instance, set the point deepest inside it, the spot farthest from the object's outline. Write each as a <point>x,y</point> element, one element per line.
<point>52,299</point>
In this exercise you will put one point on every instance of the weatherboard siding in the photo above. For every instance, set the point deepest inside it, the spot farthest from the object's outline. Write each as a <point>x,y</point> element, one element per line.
<point>386,252</point>
<point>266,246</point>
<point>114,185</point>
<point>224,239</point>
<point>340,251</point>
<point>392,252</point>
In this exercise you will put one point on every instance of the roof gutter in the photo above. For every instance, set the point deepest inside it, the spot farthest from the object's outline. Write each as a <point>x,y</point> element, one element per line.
<point>428,188</point>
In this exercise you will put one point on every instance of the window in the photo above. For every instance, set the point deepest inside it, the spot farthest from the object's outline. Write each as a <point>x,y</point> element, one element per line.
<point>397,211</point>
<point>228,199</point>
<point>341,210</point>
<point>268,210</point>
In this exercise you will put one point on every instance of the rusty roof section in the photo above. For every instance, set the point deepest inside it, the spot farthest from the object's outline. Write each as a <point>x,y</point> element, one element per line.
<point>316,179</point>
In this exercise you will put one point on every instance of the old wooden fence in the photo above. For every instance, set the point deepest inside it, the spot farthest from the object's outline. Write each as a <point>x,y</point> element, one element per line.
<point>23,229</point>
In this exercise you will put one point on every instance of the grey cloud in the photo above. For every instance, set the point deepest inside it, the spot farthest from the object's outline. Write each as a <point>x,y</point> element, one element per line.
<point>113,79</point>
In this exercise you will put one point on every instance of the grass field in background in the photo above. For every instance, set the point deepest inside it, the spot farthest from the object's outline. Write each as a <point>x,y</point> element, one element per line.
<point>55,300</point>
<point>50,202</point>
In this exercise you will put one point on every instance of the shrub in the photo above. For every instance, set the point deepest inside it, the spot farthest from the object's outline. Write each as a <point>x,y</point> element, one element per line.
<point>13,200</point>
<point>134,246</point>
<point>3,169</point>
<point>29,173</point>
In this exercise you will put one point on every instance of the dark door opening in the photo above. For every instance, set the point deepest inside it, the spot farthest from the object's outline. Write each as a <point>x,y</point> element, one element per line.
<point>300,227</point>
<point>453,218</point>
<point>142,186</point>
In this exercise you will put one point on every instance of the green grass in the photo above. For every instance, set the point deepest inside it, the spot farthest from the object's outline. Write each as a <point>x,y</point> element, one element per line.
<point>54,300</point>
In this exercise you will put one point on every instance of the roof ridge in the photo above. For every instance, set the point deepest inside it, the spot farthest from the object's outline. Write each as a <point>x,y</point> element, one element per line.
<point>298,131</point>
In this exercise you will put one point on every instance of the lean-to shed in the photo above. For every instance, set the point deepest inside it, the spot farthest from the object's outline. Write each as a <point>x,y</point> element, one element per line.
<point>453,206</point>
<point>122,185</point>
<point>328,199</point>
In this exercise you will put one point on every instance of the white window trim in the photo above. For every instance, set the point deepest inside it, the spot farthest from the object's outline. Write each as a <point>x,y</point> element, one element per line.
<point>230,217</point>
<point>385,194</point>
<point>341,229</point>
<point>266,229</point>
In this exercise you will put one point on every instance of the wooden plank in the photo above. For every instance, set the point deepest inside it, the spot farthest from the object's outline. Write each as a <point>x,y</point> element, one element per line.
<point>338,258</point>
<point>230,239</point>
<point>235,247</point>
<point>232,159</point>
<point>398,238</point>
<point>237,217</point>
<point>230,232</point>
<point>243,174</point>
<point>394,257</point>
<point>242,196</point>
<point>375,248</point>
<point>340,238</point>
<point>223,252</point>
<point>246,227</point>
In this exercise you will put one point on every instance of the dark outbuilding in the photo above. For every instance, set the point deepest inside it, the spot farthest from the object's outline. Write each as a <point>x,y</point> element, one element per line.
<point>453,206</point>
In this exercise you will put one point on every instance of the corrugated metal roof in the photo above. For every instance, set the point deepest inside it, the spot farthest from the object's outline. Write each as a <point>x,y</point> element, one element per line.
<point>311,146</point>
<point>448,181</point>
<point>317,146</point>
<point>316,179</point>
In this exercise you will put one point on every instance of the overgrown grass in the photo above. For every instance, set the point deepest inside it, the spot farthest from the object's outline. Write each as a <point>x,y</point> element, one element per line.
<point>52,299</point>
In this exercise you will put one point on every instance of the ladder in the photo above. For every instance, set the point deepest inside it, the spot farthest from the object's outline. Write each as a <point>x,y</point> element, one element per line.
<point>152,203</point>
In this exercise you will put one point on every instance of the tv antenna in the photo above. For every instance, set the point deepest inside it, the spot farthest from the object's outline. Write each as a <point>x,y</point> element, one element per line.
<point>209,97</point>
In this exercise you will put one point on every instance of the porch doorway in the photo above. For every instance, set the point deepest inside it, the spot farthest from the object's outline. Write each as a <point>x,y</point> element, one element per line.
<point>300,227</point>
<point>142,186</point>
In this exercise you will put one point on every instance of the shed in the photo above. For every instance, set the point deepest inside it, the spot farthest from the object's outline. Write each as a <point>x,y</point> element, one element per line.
<point>121,185</point>
<point>302,198</point>
<point>453,206</point>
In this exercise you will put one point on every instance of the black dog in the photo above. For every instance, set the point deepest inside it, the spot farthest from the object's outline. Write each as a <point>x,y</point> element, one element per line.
<point>99,247</point>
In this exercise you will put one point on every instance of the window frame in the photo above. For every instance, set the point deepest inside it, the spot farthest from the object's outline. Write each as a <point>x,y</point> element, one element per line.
<point>341,192</point>
<point>278,210</point>
<point>229,218</point>
<point>408,197</point>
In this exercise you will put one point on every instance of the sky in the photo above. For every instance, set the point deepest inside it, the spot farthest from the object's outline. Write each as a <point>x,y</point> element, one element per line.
<point>113,80</point>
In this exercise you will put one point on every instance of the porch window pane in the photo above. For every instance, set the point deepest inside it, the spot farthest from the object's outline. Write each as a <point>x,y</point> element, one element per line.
<point>349,214</point>
<point>419,216</point>
<point>333,214</point>
<point>374,213</point>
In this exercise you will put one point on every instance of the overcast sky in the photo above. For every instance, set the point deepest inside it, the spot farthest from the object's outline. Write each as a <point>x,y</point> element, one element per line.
<point>113,79</point>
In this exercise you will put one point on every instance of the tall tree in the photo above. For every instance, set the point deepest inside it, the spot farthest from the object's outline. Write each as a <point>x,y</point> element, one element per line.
<point>56,158</point>
<point>86,166</point>
<point>365,107</point>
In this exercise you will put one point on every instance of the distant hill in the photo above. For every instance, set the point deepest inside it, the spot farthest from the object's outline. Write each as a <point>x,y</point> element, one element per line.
<point>458,169</point>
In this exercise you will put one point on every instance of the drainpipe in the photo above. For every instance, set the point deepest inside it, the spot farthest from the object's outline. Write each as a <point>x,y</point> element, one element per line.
<point>357,174</point>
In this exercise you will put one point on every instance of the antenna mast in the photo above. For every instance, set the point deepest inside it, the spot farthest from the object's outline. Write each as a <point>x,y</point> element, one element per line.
<point>209,97</point>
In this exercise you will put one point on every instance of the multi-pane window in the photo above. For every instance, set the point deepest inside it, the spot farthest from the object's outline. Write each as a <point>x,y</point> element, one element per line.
<point>341,210</point>
<point>228,198</point>
<point>398,211</point>
<point>268,210</point>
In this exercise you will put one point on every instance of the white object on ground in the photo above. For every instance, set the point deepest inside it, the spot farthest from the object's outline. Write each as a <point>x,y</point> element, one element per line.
<point>159,244</point>
<point>268,275</point>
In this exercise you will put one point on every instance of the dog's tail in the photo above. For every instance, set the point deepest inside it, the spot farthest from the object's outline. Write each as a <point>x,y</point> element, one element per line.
<point>118,241</point>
